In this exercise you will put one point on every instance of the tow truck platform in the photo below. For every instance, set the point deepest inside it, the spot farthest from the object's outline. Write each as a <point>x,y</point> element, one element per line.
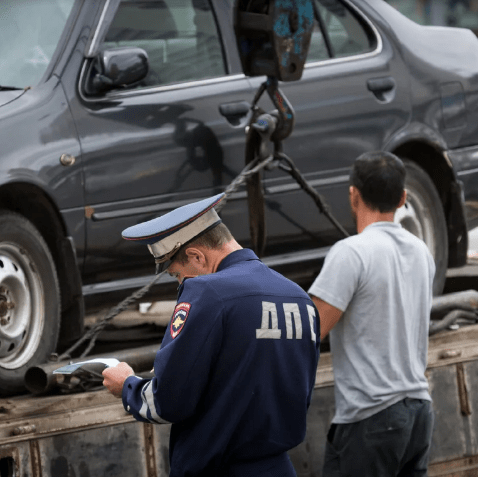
<point>89,434</point>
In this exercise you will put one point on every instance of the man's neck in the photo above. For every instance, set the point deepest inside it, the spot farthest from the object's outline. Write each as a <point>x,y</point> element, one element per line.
<point>367,217</point>
<point>217,256</point>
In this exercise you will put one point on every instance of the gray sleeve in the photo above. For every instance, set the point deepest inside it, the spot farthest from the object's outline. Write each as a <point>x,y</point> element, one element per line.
<point>340,276</point>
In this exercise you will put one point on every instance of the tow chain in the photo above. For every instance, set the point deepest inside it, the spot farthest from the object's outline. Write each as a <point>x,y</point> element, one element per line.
<point>95,330</point>
<point>252,168</point>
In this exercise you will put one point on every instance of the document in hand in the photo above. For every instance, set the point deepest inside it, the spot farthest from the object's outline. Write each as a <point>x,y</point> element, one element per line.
<point>71,368</point>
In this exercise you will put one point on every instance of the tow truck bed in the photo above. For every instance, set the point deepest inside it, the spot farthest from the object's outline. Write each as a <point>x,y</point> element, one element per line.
<point>89,434</point>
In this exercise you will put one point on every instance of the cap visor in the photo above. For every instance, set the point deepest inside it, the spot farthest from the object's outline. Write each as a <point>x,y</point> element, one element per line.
<point>162,267</point>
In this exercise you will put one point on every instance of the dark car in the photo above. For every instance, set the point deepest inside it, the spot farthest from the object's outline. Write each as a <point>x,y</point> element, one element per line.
<point>114,112</point>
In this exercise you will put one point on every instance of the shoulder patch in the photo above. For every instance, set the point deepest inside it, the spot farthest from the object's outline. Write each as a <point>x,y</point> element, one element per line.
<point>178,320</point>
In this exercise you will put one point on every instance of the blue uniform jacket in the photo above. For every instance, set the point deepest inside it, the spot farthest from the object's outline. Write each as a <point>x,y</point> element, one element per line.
<point>236,368</point>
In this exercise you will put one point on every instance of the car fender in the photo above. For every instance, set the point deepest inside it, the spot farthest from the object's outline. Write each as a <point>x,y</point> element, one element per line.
<point>412,142</point>
<point>417,131</point>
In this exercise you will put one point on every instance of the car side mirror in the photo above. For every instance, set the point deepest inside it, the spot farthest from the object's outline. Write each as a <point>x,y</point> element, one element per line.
<point>118,68</point>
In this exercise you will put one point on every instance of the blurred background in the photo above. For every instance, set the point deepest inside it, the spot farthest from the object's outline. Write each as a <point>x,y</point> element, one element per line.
<point>456,13</point>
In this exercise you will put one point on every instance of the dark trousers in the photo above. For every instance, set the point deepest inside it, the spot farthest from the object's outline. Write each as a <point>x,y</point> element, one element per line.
<point>392,443</point>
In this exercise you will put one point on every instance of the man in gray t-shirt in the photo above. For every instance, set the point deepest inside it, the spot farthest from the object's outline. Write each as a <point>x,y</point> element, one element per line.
<point>375,291</point>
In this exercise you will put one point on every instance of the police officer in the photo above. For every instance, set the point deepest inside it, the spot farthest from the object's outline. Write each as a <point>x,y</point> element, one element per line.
<point>236,368</point>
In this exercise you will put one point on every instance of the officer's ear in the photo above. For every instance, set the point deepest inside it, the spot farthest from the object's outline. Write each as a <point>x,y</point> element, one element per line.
<point>195,256</point>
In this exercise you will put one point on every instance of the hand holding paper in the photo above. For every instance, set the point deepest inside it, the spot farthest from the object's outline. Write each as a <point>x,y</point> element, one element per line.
<point>115,378</point>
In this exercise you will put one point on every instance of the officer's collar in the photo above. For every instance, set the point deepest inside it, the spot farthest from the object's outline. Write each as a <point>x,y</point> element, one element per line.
<point>237,256</point>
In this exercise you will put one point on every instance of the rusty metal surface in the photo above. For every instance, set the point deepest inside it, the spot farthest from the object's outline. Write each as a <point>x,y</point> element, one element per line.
<point>466,467</point>
<point>90,434</point>
<point>471,373</point>
<point>10,457</point>
<point>149,450</point>
<point>450,347</point>
<point>21,430</point>
<point>116,450</point>
<point>31,406</point>
<point>89,211</point>
<point>161,438</point>
<point>449,440</point>
<point>462,390</point>
<point>35,459</point>
<point>54,415</point>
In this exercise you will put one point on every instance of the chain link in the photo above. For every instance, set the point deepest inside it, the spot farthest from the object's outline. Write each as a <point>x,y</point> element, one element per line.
<point>95,330</point>
<point>252,168</point>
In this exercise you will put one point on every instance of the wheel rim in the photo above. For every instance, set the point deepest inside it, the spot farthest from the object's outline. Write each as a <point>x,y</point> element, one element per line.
<point>414,216</point>
<point>21,307</point>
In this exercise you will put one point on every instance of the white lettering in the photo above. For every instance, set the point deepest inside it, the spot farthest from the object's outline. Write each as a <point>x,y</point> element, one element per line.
<point>264,332</point>
<point>311,311</point>
<point>292,310</point>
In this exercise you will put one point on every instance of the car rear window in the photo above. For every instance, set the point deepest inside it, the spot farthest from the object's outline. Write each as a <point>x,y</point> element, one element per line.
<point>339,32</point>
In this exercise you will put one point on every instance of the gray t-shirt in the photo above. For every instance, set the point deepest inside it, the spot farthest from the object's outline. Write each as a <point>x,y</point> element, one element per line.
<point>382,280</point>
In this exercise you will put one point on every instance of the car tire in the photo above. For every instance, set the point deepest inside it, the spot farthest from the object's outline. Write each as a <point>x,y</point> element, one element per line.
<point>423,216</point>
<point>29,301</point>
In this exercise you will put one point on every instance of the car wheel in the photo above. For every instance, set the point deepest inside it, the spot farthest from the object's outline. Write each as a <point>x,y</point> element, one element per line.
<point>423,216</point>
<point>29,301</point>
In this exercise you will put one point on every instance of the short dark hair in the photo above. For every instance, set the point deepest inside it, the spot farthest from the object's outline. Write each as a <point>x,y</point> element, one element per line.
<point>214,238</point>
<point>380,178</point>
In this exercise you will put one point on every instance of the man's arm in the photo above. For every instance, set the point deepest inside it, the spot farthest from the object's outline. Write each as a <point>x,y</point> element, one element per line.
<point>142,404</point>
<point>329,316</point>
<point>182,365</point>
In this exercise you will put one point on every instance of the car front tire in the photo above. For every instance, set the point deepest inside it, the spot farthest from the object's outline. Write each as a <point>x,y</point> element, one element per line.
<point>29,300</point>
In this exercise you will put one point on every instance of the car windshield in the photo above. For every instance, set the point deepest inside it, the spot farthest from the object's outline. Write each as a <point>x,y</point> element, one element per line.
<point>29,34</point>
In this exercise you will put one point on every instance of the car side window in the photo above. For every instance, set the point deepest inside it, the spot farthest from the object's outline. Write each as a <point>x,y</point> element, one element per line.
<point>180,37</point>
<point>318,48</point>
<point>346,34</point>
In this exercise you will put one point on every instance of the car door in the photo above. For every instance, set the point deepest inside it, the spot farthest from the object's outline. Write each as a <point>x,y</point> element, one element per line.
<point>352,97</point>
<point>163,143</point>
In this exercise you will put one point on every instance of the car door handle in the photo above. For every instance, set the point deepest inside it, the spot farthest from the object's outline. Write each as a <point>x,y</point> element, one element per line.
<point>235,111</point>
<point>381,84</point>
<point>383,88</point>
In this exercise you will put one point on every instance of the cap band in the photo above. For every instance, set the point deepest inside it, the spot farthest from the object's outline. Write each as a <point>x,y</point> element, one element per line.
<point>168,256</point>
<point>183,235</point>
